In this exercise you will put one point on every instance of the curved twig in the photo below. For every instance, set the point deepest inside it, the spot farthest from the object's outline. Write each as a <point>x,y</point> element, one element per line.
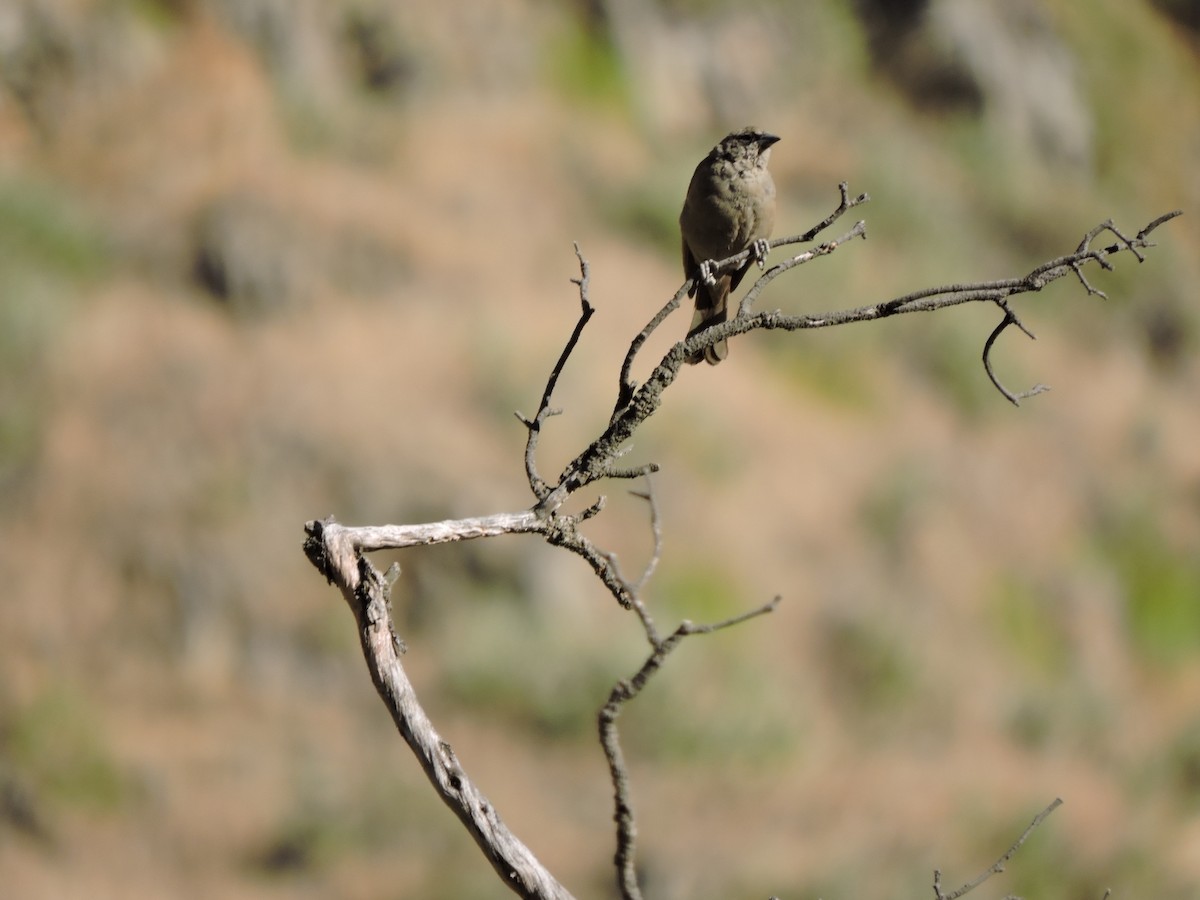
<point>1010,318</point>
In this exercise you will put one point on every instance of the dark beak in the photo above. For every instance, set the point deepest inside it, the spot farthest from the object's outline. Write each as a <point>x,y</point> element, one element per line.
<point>766,140</point>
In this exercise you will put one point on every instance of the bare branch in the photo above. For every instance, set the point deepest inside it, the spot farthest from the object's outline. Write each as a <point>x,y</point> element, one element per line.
<point>689,628</point>
<point>367,594</point>
<point>625,858</point>
<point>344,542</point>
<point>635,589</point>
<point>859,230</point>
<point>1010,318</point>
<point>368,538</point>
<point>594,510</point>
<point>337,550</point>
<point>562,531</point>
<point>636,472</point>
<point>622,693</point>
<point>643,401</point>
<point>998,865</point>
<point>534,425</point>
<point>1154,223</point>
<point>627,385</point>
<point>932,299</point>
<point>655,530</point>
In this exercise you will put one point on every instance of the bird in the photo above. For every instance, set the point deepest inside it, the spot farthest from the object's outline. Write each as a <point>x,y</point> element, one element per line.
<point>729,207</point>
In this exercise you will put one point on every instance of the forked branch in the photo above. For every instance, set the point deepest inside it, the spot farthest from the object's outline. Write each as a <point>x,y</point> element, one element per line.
<point>635,403</point>
<point>338,551</point>
<point>332,550</point>
<point>622,693</point>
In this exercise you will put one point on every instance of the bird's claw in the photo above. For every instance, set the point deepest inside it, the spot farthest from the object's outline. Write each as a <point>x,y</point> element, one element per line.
<point>759,250</point>
<point>706,272</point>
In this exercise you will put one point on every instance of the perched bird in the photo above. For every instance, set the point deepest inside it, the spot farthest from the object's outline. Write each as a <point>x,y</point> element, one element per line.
<point>730,207</point>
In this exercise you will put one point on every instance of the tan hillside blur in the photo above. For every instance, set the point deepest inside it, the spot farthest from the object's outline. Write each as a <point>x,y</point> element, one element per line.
<point>261,262</point>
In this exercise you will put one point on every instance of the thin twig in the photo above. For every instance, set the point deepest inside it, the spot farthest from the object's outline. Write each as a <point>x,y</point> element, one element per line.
<point>1154,223</point>
<point>858,231</point>
<point>1010,318</point>
<point>932,299</point>
<point>686,628</point>
<point>627,385</point>
<point>651,565</point>
<point>561,531</point>
<point>655,530</point>
<point>635,472</point>
<point>998,865</point>
<point>622,692</point>
<point>536,483</point>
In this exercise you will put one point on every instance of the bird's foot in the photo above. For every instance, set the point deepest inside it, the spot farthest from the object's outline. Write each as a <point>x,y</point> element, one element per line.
<point>759,250</point>
<point>707,272</point>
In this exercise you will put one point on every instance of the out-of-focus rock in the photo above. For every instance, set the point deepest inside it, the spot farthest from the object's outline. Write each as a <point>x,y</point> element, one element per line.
<point>696,71</point>
<point>247,254</point>
<point>1000,59</point>
<point>55,56</point>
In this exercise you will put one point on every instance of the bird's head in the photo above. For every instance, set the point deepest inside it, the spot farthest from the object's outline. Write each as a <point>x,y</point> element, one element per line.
<point>748,143</point>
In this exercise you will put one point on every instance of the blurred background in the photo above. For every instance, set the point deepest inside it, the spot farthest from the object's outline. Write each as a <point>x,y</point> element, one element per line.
<point>263,261</point>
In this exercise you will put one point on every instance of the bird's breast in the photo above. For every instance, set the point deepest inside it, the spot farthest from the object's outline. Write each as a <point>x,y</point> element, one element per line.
<point>737,210</point>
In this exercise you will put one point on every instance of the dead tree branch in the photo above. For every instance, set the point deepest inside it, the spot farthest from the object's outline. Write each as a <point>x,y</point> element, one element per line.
<point>338,551</point>
<point>593,463</point>
<point>332,550</point>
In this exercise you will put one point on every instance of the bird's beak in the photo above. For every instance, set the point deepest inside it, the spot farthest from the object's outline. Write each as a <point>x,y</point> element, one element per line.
<point>766,140</point>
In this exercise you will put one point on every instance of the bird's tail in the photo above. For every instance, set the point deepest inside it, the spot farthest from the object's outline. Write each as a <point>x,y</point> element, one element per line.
<point>711,304</point>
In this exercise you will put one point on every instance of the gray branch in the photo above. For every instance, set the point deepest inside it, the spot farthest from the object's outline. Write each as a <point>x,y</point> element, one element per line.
<point>337,551</point>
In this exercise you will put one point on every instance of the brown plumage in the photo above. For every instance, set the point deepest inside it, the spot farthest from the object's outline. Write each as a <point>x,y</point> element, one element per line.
<point>730,207</point>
